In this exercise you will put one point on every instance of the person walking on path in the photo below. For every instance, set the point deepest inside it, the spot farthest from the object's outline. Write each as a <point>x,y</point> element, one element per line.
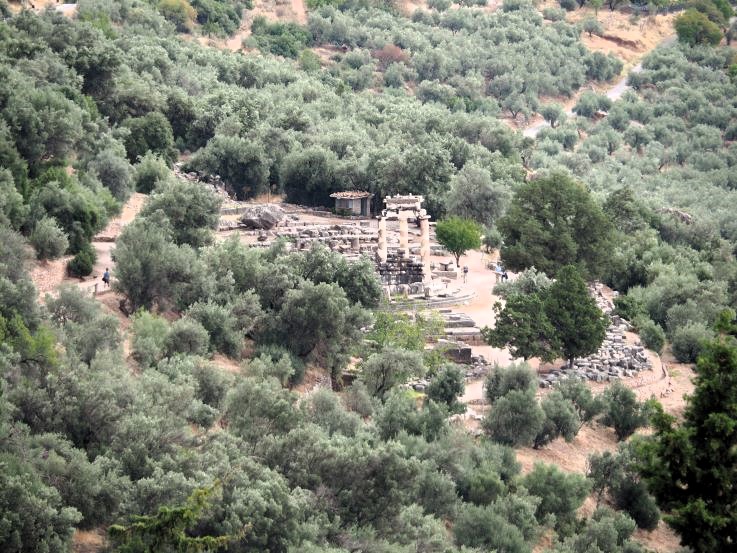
<point>106,277</point>
<point>465,274</point>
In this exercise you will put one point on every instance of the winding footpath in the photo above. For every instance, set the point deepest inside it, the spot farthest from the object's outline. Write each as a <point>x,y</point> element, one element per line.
<point>614,92</point>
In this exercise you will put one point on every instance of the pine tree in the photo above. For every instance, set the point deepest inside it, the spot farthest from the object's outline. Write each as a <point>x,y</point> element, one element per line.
<point>691,467</point>
<point>579,323</point>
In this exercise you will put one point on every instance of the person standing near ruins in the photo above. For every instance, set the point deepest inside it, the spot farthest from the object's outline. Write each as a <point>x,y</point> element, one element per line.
<point>465,274</point>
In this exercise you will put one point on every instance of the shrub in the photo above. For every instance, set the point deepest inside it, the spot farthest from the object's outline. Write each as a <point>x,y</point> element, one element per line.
<point>515,419</point>
<point>501,380</point>
<point>688,341</point>
<point>48,239</point>
<point>651,334</point>
<point>568,5</point>
<point>83,262</point>
<point>631,496</point>
<point>439,5</point>
<point>149,171</point>
<point>447,385</point>
<point>281,39</point>
<point>554,14</point>
<point>220,324</point>
<point>186,336</point>
<point>623,412</point>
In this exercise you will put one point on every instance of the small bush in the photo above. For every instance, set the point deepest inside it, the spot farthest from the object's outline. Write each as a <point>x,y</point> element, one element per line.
<point>632,496</point>
<point>651,334</point>
<point>688,341</point>
<point>82,264</point>
<point>48,239</point>
<point>187,336</point>
<point>554,14</point>
<point>439,5</point>
<point>568,5</point>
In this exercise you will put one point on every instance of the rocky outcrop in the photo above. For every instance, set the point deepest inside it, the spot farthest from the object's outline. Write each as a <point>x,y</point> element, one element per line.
<point>262,217</point>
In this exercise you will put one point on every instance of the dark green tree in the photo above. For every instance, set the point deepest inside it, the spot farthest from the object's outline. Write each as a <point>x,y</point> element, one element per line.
<point>553,221</point>
<point>579,323</point>
<point>166,531</point>
<point>447,386</point>
<point>691,466</point>
<point>150,133</point>
<point>522,326</point>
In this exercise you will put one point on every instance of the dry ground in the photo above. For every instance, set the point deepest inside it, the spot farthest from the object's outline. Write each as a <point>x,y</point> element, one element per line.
<point>294,11</point>
<point>48,276</point>
<point>668,382</point>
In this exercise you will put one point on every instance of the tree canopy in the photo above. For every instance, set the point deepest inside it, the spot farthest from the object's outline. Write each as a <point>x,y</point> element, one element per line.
<point>552,222</point>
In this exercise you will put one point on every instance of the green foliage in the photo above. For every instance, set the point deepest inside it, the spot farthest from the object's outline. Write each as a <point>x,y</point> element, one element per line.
<point>114,172</point>
<point>552,222</point>
<point>149,172</point>
<point>179,12</point>
<point>688,341</point>
<point>561,419</point>
<point>622,411</point>
<point>281,39</point>
<point>693,27</point>
<point>150,133</point>
<point>607,531</point>
<point>83,261</point>
<point>399,330</point>
<point>241,164</point>
<point>579,323</point>
<point>560,494</point>
<point>191,210</point>
<point>149,336</point>
<point>458,236</point>
<point>447,386</point>
<point>591,26</point>
<point>651,334</point>
<point>220,17</point>
<point>587,405</point>
<point>482,527</point>
<point>615,474</point>
<point>521,325</point>
<point>383,371</point>
<point>478,195</point>
<point>515,419</point>
<point>553,114</point>
<point>590,103</point>
<point>698,453</point>
<point>167,529</point>
<point>48,239</point>
<point>501,380</point>
<point>33,515</point>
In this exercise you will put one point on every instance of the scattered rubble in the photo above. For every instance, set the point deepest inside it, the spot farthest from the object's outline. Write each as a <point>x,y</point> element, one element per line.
<point>615,358</point>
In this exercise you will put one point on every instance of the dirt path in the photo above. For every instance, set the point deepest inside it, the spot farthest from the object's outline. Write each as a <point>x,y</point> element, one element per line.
<point>47,277</point>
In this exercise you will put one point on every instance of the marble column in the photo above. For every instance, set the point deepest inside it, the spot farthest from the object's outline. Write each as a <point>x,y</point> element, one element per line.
<point>403,234</point>
<point>382,251</point>
<point>425,247</point>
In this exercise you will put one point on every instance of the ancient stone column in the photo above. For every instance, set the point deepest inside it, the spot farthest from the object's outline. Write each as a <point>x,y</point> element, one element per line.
<point>381,251</point>
<point>403,233</point>
<point>425,247</point>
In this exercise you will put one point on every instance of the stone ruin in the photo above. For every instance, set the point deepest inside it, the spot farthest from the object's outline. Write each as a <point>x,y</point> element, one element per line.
<point>615,358</point>
<point>398,265</point>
